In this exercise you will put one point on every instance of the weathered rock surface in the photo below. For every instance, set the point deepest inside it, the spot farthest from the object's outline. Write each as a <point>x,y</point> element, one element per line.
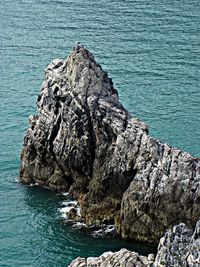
<point>124,258</point>
<point>180,247</point>
<point>83,140</point>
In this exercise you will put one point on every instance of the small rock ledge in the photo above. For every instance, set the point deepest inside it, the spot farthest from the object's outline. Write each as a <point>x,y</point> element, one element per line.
<point>85,142</point>
<point>120,258</point>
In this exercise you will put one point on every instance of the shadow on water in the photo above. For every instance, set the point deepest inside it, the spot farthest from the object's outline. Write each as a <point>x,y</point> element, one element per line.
<point>60,238</point>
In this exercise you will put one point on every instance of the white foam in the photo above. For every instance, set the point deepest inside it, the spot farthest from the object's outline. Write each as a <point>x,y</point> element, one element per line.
<point>35,184</point>
<point>64,211</point>
<point>104,230</point>
<point>78,210</point>
<point>69,203</point>
<point>67,206</point>
<point>79,225</point>
<point>65,194</point>
<point>16,179</point>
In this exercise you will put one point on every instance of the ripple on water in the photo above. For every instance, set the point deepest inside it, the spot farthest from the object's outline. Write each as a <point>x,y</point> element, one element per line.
<point>149,48</point>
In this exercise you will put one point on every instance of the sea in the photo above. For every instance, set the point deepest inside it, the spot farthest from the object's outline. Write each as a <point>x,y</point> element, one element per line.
<point>151,49</point>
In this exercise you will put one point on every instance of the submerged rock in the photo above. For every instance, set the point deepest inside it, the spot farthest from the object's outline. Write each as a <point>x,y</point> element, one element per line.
<point>83,140</point>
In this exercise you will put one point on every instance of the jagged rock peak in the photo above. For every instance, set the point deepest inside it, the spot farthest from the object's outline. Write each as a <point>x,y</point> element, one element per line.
<point>79,116</point>
<point>84,141</point>
<point>84,76</point>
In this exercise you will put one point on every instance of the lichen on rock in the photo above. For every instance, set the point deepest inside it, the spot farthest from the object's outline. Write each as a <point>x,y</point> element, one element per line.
<point>84,141</point>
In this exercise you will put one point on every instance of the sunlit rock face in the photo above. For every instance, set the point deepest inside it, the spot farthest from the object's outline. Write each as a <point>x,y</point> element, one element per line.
<point>123,258</point>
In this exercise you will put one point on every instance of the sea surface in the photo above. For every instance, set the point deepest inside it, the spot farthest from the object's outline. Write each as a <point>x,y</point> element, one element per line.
<point>151,49</point>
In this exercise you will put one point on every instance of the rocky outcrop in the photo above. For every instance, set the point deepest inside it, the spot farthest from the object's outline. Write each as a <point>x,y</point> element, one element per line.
<point>123,258</point>
<point>84,141</point>
<point>180,247</point>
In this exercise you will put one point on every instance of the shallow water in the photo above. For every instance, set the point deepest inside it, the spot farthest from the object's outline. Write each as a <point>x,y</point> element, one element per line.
<point>150,49</point>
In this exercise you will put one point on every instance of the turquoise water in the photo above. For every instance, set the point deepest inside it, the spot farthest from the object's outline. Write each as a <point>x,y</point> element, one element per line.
<point>151,49</point>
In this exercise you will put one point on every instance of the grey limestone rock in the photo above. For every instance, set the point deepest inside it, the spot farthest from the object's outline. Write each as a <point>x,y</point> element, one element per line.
<point>84,141</point>
<point>122,258</point>
<point>179,247</point>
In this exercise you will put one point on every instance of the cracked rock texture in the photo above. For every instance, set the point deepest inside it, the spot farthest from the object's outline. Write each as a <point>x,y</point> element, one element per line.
<point>180,247</point>
<point>83,140</point>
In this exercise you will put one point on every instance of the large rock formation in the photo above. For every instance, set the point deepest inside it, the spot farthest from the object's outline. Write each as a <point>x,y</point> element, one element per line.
<point>83,140</point>
<point>180,247</point>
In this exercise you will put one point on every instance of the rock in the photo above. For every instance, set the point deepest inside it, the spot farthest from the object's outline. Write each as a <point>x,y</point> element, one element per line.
<point>73,215</point>
<point>179,247</point>
<point>165,191</point>
<point>84,141</point>
<point>78,262</point>
<point>123,258</point>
